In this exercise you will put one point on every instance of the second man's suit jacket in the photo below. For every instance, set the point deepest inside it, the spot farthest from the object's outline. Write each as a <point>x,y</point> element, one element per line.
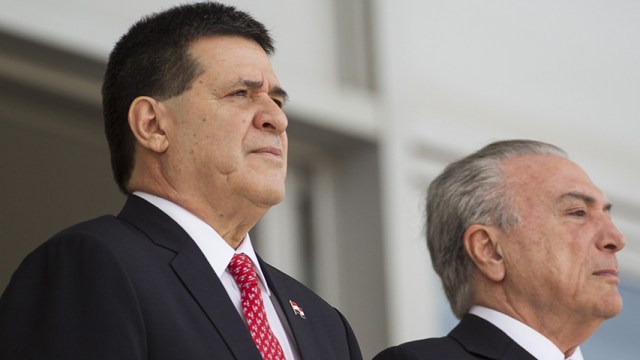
<point>136,286</point>
<point>473,338</point>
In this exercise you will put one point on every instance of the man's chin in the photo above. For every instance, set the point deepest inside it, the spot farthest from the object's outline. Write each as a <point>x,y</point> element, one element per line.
<point>269,198</point>
<point>612,306</point>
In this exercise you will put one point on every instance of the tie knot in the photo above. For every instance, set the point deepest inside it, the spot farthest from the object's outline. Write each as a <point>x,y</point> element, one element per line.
<point>241,268</point>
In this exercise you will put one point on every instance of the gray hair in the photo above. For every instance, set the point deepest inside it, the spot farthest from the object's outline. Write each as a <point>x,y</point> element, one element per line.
<point>471,191</point>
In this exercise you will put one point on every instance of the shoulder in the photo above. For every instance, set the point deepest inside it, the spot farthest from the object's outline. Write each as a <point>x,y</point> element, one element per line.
<point>94,230</point>
<point>105,234</point>
<point>84,245</point>
<point>96,247</point>
<point>103,227</point>
<point>65,287</point>
<point>78,238</point>
<point>442,348</point>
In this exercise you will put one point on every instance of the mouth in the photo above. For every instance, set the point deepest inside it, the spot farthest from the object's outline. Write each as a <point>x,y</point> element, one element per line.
<point>609,273</point>
<point>271,151</point>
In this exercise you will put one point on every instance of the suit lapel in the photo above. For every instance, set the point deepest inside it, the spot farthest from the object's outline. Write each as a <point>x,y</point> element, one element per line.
<point>193,270</point>
<point>480,337</point>
<point>191,266</point>
<point>300,327</point>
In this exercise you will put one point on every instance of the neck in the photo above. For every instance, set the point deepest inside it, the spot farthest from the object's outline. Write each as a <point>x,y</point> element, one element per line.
<point>562,328</point>
<point>231,217</point>
<point>565,332</point>
<point>231,223</point>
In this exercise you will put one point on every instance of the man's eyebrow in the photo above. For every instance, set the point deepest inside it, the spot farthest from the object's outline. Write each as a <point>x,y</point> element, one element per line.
<point>588,199</point>
<point>280,92</point>
<point>275,91</point>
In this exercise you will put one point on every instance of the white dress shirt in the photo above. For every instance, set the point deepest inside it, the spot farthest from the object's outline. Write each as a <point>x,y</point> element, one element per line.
<point>529,339</point>
<point>219,253</point>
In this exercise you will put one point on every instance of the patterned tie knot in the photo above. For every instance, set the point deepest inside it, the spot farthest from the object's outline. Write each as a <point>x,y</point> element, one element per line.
<point>242,270</point>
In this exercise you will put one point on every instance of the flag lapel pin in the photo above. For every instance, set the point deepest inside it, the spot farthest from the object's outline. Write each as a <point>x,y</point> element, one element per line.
<point>297,310</point>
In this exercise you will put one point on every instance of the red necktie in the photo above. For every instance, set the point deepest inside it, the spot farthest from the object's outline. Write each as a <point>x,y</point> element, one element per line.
<point>245,276</point>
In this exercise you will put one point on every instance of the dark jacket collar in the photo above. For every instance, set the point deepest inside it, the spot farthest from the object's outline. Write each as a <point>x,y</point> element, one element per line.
<point>480,337</point>
<point>194,271</point>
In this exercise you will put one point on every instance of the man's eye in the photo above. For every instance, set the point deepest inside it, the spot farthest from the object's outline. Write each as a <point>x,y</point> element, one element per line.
<point>240,93</point>
<point>278,102</point>
<point>579,213</point>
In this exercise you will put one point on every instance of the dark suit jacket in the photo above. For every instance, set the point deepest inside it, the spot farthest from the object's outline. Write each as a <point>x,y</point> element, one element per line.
<point>136,286</point>
<point>472,338</point>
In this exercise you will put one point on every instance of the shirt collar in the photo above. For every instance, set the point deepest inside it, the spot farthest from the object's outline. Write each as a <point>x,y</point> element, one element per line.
<point>528,338</point>
<point>247,247</point>
<point>217,251</point>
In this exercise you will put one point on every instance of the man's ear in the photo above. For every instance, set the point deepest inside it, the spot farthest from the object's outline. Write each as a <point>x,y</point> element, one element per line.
<point>147,122</point>
<point>480,242</point>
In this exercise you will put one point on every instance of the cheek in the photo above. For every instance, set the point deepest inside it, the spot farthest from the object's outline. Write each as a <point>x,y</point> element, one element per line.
<point>529,253</point>
<point>285,146</point>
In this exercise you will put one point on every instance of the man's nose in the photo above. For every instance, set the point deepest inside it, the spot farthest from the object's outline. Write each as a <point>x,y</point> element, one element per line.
<point>271,116</point>
<point>613,240</point>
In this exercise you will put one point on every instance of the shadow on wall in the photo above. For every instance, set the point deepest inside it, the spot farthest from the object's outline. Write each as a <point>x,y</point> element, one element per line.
<point>54,156</point>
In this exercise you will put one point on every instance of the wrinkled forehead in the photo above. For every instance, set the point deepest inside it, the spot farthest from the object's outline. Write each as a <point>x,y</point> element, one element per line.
<point>546,177</point>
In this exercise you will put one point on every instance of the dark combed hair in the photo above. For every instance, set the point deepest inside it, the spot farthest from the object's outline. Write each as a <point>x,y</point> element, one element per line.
<point>152,59</point>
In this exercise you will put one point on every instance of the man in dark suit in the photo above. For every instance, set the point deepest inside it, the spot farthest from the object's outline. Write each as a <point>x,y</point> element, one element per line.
<point>194,120</point>
<point>526,250</point>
